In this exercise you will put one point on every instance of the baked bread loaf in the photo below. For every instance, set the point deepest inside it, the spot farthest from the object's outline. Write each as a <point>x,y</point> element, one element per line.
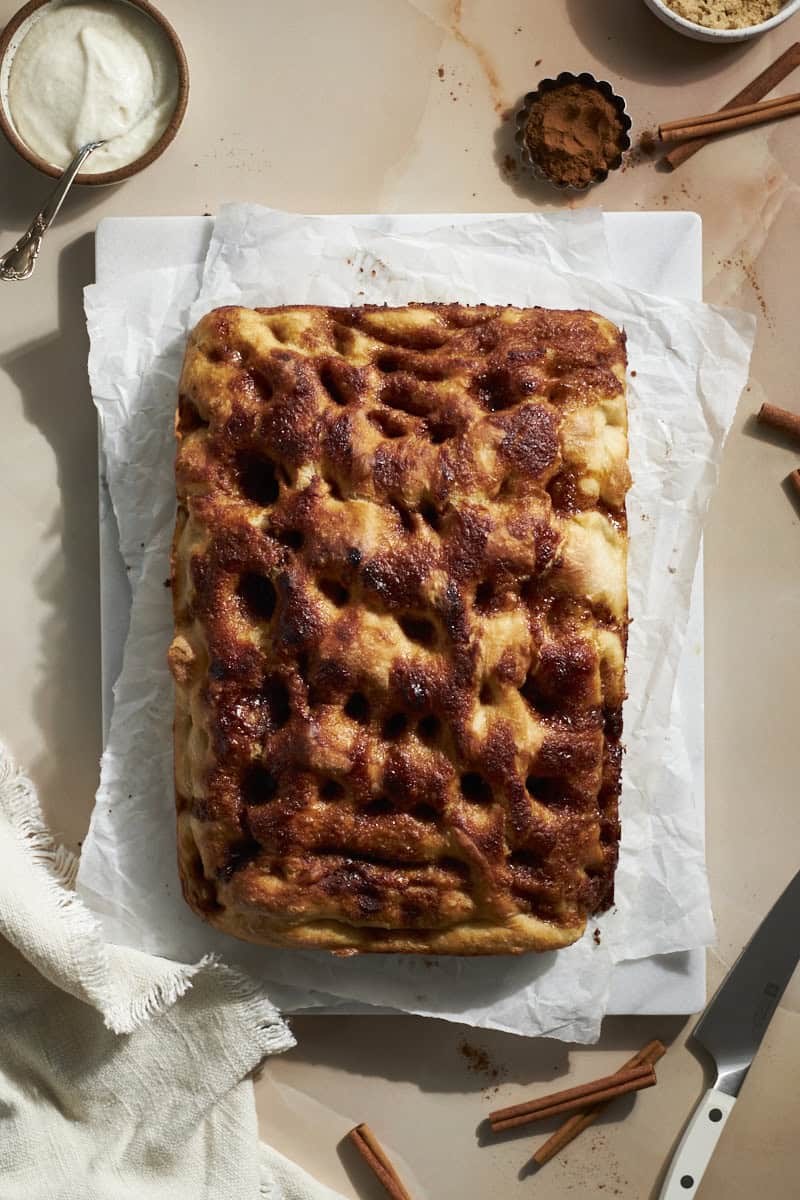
<point>399,582</point>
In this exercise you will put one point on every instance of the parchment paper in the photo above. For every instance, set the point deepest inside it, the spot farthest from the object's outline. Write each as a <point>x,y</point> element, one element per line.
<point>690,363</point>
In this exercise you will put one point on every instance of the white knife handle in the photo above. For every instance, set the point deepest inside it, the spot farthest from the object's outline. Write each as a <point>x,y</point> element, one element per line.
<point>697,1145</point>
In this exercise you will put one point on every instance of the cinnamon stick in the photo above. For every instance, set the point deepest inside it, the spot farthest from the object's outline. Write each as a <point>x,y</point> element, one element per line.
<point>760,87</point>
<point>376,1159</point>
<point>741,110</point>
<point>780,418</point>
<point>596,1092</point>
<point>579,1121</point>
<point>795,480</point>
<point>742,118</point>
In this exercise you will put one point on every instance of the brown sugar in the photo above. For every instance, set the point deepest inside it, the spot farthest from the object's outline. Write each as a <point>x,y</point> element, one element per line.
<point>726,14</point>
<point>574,133</point>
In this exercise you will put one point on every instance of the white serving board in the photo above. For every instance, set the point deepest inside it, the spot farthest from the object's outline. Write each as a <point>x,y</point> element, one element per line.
<point>653,252</point>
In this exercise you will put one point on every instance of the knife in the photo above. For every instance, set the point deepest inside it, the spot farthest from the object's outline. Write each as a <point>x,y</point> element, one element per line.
<point>731,1029</point>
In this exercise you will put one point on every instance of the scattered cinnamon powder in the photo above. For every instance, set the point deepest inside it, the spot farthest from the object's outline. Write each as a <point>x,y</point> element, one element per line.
<point>726,14</point>
<point>644,149</point>
<point>478,1061</point>
<point>574,133</point>
<point>648,142</point>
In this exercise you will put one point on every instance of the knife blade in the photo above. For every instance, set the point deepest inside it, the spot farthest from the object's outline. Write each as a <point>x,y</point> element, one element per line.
<point>731,1028</point>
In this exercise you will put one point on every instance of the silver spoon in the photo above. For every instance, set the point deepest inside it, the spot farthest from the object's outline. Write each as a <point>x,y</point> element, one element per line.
<point>19,261</point>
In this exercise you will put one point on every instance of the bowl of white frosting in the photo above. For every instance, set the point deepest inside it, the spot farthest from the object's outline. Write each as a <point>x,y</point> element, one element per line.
<point>78,71</point>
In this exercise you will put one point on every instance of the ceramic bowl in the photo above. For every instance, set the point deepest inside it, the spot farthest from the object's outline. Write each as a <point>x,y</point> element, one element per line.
<point>702,33</point>
<point>12,36</point>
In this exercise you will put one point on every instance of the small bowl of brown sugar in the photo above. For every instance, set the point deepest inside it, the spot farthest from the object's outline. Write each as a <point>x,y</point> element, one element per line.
<point>572,130</point>
<point>723,20</point>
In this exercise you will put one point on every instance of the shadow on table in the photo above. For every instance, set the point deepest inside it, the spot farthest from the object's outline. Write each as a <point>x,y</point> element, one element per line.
<point>531,1137</point>
<point>767,433</point>
<point>633,44</point>
<point>440,1056</point>
<point>25,189</point>
<point>521,181</point>
<point>51,376</point>
<point>775,437</point>
<point>790,490</point>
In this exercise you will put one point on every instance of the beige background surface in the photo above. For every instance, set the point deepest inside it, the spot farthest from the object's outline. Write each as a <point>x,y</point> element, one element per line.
<point>317,106</point>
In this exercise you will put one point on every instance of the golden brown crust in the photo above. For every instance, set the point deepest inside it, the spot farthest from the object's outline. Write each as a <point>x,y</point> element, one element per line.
<point>401,612</point>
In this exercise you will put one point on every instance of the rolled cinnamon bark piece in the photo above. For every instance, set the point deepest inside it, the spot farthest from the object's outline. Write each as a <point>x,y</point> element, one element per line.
<point>781,419</point>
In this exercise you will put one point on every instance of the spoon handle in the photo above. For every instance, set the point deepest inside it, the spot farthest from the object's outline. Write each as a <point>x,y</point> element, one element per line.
<point>19,261</point>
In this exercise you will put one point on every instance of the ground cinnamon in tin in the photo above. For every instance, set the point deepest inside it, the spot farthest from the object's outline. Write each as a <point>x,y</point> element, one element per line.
<point>574,134</point>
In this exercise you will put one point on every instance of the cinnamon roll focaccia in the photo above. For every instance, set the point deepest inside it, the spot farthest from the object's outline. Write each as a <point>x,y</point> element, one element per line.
<point>399,584</point>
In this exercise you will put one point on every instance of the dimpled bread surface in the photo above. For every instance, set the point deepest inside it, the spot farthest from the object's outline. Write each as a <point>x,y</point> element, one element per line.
<point>399,585</point>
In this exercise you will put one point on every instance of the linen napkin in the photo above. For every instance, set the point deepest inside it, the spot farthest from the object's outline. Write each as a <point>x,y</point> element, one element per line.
<point>122,1076</point>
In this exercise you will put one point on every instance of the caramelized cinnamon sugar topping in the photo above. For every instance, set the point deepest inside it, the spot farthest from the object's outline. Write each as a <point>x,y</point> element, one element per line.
<point>400,608</point>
